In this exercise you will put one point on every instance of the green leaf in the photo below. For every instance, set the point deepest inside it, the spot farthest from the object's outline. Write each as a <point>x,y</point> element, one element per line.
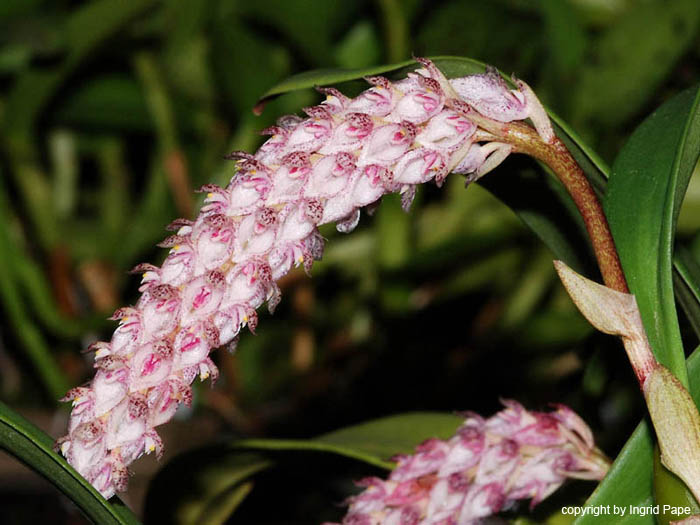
<point>685,283</point>
<point>452,66</point>
<point>207,484</point>
<point>360,47</point>
<point>629,481</point>
<point>565,35</point>
<point>107,101</point>
<point>645,191</point>
<point>202,486</point>
<point>34,344</point>
<point>33,447</point>
<point>373,442</point>
<point>324,77</point>
<point>443,32</point>
<point>670,490</point>
<point>543,205</point>
<point>86,28</point>
<point>311,25</point>
<point>615,83</point>
<point>221,508</point>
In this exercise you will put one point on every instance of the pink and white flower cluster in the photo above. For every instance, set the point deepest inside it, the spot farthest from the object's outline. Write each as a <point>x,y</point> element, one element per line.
<point>486,467</point>
<point>225,264</point>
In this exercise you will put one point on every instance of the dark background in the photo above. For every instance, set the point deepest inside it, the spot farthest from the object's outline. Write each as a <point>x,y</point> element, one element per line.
<point>113,112</point>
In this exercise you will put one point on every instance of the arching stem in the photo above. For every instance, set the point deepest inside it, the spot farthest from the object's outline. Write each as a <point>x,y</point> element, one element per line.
<point>556,156</point>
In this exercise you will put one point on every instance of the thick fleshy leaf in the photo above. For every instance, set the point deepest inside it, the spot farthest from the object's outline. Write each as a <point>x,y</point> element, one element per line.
<point>34,448</point>
<point>644,194</point>
<point>648,183</point>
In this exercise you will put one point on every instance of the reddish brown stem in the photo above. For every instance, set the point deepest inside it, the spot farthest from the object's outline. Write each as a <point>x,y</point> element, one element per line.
<point>555,155</point>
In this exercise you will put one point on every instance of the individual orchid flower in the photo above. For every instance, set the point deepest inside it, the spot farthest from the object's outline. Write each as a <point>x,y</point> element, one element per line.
<point>490,96</point>
<point>222,266</point>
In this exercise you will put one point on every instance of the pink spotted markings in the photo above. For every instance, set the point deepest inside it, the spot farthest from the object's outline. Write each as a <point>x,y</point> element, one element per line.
<point>224,265</point>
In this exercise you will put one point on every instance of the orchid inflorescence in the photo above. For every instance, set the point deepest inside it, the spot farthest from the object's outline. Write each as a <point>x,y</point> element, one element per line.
<point>222,266</point>
<point>487,466</point>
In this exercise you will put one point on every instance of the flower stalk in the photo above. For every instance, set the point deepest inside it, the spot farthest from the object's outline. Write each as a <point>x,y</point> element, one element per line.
<point>612,309</point>
<point>553,153</point>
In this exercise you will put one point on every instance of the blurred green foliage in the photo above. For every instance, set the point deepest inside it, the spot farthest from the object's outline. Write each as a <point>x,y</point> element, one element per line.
<point>112,113</point>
